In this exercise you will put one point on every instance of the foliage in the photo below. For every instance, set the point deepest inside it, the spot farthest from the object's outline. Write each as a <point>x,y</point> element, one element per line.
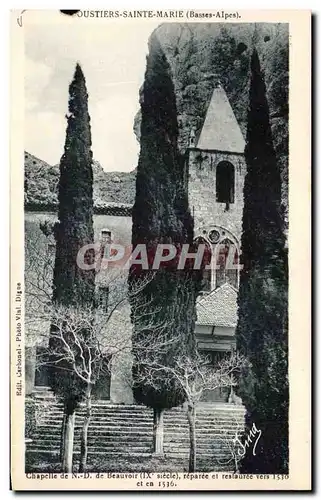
<point>262,326</point>
<point>75,227</point>
<point>161,215</point>
<point>73,286</point>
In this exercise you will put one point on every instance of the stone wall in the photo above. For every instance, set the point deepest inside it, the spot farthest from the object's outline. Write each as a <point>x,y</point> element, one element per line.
<point>30,369</point>
<point>30,417</point>
<point>121,379</point>
<point>119,329</point>
<point>40,251</point>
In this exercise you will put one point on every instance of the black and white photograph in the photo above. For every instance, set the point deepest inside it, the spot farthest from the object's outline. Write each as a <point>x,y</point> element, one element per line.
<point>154,345</point>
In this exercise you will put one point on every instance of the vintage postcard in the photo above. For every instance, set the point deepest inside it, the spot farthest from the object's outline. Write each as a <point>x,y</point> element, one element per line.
<point>160,250</point>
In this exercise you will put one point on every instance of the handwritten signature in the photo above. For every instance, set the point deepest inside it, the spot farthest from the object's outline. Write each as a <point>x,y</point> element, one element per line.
<point>252,437</point>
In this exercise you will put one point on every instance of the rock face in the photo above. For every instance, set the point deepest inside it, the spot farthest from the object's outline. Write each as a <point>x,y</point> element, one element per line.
<point>40,181</point>
<point>200,55</point>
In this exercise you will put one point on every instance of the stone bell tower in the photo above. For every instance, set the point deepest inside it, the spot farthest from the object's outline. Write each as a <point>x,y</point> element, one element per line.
<point>216,172</point>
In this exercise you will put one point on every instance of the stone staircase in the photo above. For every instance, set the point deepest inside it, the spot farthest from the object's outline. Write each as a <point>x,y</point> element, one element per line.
<point>126,431</point>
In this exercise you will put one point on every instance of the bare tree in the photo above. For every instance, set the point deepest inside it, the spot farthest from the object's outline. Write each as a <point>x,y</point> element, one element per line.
<point>87,345</point>
<point>79,348</point>
<point>87,342</point>
<point>195,375</point>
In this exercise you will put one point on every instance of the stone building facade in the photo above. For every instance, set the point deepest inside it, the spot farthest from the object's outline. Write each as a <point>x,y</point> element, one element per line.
<point>214,170</point>
<point>39,261</point>
<point>215,173</point>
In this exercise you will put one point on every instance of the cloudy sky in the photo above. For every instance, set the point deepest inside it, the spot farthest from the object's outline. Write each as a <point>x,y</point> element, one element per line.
<point>113,58</point>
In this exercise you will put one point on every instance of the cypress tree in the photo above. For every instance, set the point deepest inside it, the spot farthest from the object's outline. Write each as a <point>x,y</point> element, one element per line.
<point>161,215</point>
<point>262,326</point>
<point>73,286</point>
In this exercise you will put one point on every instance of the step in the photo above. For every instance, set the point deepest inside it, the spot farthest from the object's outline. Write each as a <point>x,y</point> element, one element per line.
<point>146,442</point>
<point>202,448</point>
<point>113,452</point>
<point>126,432</point>
<point>146,426</point>
<point>145,417</point>
<point>137,418</point>
<point>215,408</point>
<point>216,441</point>
<point>171,433</point>
<point>141,429</point>
<point>100,439</point>
<point>95,426</point>
<point>95,447</point>
<point>127,413</point>
<point>141,452</point>
<point>101,433</point>
<point>113,441</point>
<point>90,452</point>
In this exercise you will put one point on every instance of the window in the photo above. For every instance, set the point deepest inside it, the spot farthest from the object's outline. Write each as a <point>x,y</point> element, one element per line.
<point>103,293</point>
<point>214,236</point>
<point>225,183</point>
<point>105,240</point>
<point>105,236</point>
<point>221,254</point>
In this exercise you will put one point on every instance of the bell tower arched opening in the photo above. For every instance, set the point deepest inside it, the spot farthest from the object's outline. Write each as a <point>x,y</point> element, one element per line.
<point>225,183</point>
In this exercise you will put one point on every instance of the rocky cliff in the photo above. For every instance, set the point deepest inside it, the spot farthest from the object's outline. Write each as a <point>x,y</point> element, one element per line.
<point>201,54</point>
<point>41,185</point>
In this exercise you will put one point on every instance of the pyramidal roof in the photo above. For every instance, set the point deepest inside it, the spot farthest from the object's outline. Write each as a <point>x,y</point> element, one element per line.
<point>220,130</point>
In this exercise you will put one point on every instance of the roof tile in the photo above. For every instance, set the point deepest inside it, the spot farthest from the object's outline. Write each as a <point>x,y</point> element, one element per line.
<point>218,308</point>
